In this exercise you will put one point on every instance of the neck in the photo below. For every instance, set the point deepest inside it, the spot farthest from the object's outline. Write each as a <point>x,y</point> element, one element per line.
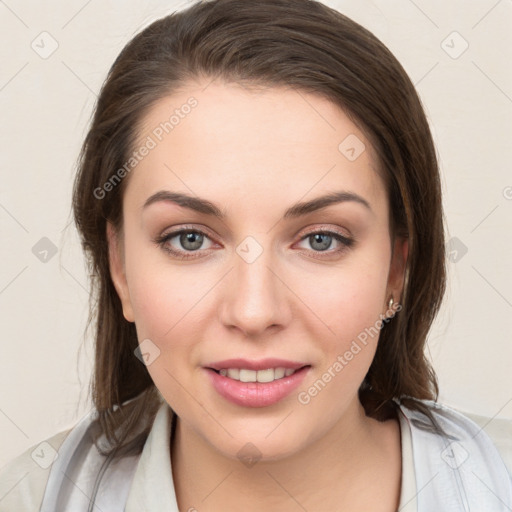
<point>333,470</point>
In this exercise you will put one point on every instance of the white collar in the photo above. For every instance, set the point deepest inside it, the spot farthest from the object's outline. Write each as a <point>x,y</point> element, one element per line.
<point>152,488</point>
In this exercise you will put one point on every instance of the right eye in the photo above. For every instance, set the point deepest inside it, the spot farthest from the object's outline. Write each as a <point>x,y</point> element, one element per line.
<point>189,240</point>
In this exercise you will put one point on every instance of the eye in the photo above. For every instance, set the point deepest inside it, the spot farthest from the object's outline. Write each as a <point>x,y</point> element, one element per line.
<point>187,240</point>
<point>186,243</point>
<point>321,241</point>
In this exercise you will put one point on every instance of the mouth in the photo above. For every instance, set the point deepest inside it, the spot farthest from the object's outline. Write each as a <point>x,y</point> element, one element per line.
<point>262,376</point>
<point>256,388</point>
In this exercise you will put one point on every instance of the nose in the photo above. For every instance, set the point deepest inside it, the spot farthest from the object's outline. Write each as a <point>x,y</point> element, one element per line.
<point>255,297</point>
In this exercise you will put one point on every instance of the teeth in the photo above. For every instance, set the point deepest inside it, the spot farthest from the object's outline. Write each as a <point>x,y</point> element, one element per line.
<point>233,373</point>
<point>279,373</point>
<point>248,375</point>
<point>268,375</point>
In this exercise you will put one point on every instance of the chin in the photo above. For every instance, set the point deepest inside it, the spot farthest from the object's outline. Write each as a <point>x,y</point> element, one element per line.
<point>252,450</point>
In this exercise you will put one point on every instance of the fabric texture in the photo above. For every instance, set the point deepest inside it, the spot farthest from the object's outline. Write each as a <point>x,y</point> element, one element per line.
<point>460,473</point>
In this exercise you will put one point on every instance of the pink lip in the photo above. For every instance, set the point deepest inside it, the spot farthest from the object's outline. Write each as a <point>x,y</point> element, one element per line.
<point>262,364</point>
<point>255,394</point>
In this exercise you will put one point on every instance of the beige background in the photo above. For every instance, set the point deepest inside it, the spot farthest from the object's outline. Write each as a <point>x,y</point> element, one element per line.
<point>46,104</point>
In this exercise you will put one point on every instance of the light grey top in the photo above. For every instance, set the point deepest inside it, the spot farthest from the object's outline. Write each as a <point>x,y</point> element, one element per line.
<point>437,473</point>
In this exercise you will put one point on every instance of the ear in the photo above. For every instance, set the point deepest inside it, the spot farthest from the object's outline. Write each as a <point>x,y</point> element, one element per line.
<point>117,270</point>
<point>397,268</point>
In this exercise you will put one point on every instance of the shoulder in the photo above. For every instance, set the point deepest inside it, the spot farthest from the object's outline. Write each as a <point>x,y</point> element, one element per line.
<point>23,479</point>
<point>34,478</point>
<point>499,430</point>
<point>455,459</point>
<point>486,435</point>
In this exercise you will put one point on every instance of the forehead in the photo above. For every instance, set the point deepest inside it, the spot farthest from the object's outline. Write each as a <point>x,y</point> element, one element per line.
<point>222,139</point>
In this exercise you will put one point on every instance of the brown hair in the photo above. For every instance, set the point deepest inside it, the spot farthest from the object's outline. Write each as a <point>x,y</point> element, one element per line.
<point>296,43</point>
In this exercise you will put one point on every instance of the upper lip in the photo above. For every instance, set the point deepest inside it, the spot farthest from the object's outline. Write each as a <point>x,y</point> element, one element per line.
<point>261,364</point>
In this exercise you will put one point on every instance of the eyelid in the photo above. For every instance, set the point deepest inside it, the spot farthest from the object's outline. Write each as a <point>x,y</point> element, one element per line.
<point>346,241</point>
<point>188,228</point>
<point>326,228</point>
<point>310,230</point>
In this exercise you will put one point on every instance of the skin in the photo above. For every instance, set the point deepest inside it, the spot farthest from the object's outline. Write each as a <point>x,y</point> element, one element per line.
<point>255,153</point>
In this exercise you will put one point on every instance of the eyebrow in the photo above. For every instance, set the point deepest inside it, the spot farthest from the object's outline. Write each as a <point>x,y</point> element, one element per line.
<point>297,210</point>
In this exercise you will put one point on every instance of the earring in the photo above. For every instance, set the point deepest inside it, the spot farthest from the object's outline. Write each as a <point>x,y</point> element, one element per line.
<point>390,308</point>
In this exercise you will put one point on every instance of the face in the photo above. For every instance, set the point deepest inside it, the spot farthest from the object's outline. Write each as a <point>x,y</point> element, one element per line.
<point>253,282</point>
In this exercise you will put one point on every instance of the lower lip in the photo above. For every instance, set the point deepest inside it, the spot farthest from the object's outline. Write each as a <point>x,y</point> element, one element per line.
<point>256,394</point>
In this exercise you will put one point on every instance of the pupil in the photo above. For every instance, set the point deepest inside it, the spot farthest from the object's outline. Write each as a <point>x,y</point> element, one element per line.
<point>194,239</point>
<point>326,243</point>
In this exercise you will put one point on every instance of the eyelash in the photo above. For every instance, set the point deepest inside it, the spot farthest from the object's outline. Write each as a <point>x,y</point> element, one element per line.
<point>161,241</point>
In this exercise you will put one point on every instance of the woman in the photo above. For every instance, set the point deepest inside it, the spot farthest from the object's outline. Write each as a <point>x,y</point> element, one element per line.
<point>259,198</point>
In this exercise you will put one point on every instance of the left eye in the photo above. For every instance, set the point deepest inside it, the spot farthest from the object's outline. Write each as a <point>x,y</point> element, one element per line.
<point>322,240</point>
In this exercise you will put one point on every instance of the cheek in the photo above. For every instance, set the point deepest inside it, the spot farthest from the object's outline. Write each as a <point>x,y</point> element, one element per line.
<point>158,293</point>
<point>169,301</point>
<point>350,298</point>
<point>161,302</point>
<point>351,309</point>
<point>349,302</point>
